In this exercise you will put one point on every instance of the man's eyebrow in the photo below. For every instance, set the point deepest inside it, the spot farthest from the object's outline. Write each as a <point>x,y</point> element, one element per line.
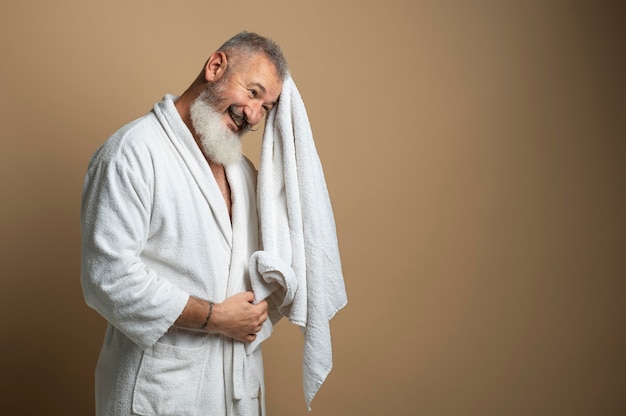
<point>259,86</point>
<point>262,88</point>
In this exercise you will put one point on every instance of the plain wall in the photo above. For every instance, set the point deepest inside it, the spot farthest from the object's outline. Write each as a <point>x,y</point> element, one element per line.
<point>475,156</point>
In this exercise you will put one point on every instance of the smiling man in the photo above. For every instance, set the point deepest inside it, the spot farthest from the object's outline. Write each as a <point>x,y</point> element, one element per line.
<point>169,223</point>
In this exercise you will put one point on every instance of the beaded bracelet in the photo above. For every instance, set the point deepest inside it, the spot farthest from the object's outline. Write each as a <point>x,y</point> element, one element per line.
<point>208,316</point>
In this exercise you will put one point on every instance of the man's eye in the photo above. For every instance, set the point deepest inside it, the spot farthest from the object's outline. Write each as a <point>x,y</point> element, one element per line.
<point>253,93</point>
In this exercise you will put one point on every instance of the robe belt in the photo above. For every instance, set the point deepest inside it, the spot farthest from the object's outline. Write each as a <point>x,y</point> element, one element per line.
<point>237,371</point>
<point>236,375</point>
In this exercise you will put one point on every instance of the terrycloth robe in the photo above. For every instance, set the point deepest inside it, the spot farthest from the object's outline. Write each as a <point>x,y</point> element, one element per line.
<point>156,230</point>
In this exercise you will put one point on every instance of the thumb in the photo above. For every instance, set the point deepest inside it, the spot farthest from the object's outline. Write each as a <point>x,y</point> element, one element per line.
<point>248,297</point>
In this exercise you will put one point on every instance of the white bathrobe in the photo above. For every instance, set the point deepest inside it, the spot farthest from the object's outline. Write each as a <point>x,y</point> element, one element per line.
<point>156,230</point>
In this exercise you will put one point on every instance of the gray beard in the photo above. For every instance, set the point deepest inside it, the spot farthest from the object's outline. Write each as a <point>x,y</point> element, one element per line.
<point>218,142</point>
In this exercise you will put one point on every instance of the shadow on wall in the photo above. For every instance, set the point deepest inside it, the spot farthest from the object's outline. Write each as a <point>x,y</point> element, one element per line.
<point>47,328</point>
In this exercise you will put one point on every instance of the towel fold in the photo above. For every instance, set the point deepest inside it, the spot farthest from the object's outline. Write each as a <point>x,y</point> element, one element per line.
<point>300,253</point>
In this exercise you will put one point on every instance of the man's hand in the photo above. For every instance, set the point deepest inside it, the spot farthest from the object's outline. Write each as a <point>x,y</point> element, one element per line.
<point>238,318</point>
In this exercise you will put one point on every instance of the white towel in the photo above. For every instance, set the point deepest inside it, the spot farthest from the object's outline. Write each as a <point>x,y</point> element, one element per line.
<point>300,254</point>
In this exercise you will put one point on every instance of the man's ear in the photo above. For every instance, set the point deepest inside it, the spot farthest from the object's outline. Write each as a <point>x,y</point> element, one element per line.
<point>215,66</point>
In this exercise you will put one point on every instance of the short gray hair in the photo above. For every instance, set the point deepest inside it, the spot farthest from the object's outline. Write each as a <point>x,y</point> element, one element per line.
<point>250,43</point>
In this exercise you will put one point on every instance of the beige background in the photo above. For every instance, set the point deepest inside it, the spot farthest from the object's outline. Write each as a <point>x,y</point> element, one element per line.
<point>475,156</point>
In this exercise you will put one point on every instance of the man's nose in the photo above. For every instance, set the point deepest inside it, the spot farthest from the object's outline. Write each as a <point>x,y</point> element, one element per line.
<point>254,113</point>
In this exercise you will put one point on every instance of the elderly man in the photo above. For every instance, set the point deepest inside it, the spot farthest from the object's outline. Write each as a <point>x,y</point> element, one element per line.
<point>169,223</point>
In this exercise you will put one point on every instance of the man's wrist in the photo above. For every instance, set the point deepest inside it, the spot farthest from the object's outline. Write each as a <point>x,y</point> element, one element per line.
<point>208,317</point>
<point>198,314</point>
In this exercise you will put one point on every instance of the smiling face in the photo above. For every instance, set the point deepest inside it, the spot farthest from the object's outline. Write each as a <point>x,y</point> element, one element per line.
<point>248,92</point>
<point>231,103</point>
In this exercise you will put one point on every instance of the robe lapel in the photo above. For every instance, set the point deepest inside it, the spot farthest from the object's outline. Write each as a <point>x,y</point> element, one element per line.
<point>240,195</point>
<point>184,143</point>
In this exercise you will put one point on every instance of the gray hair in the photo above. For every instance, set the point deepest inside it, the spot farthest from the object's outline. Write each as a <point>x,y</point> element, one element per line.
<point>249,43</point>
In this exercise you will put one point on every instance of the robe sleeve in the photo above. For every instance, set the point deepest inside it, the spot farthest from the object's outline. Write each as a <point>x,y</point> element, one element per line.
<point>115,221</point>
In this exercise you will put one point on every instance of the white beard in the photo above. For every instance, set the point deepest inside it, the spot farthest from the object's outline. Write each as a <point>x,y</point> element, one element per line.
<point>218,142</point>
